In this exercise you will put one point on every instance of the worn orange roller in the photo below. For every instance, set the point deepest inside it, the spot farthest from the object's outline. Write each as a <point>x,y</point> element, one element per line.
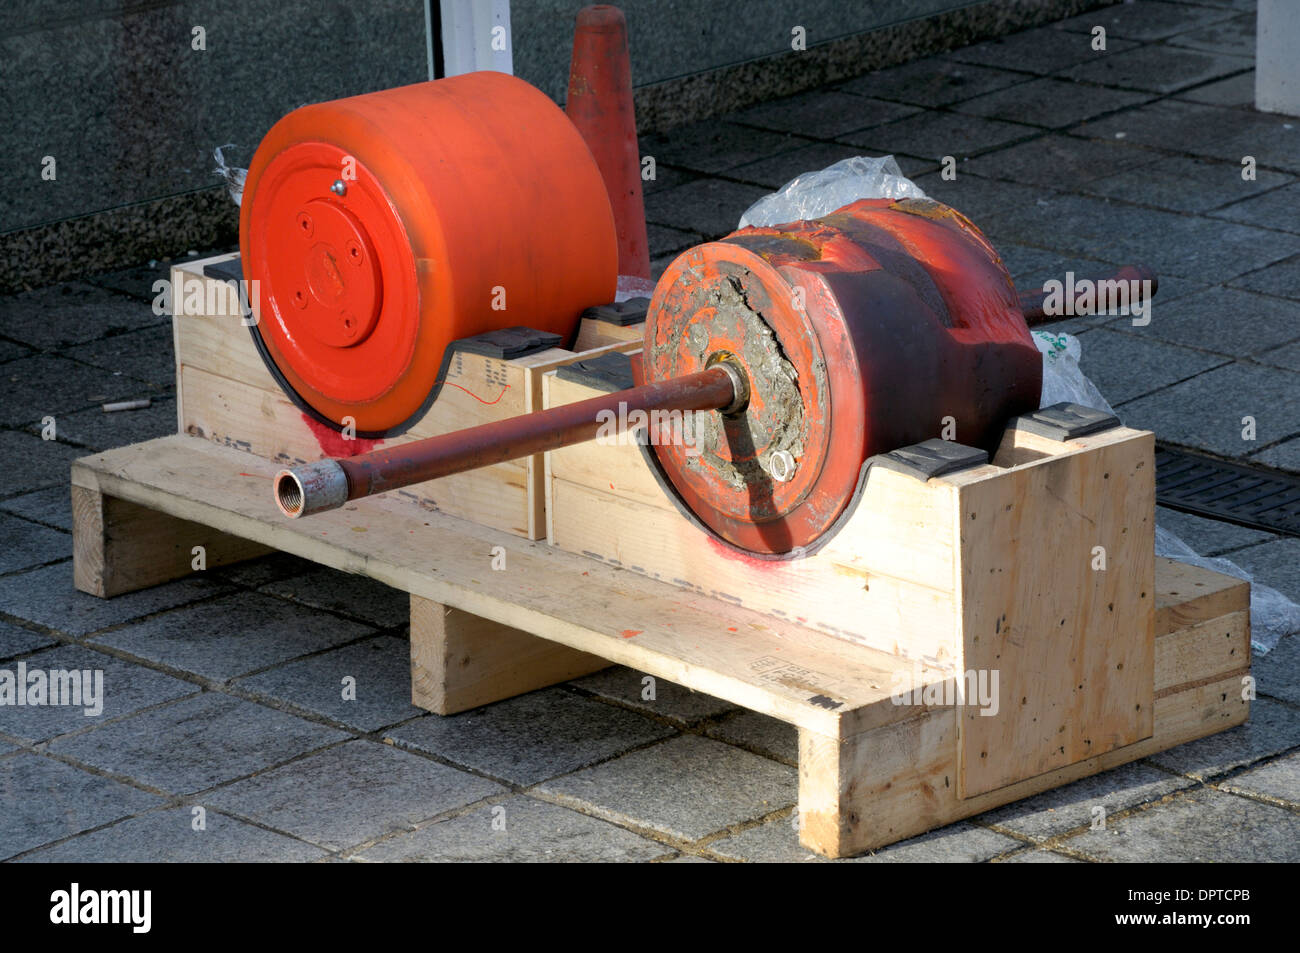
<point>382,227</point>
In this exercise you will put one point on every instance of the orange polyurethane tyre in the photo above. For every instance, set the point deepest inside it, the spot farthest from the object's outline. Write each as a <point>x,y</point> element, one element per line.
<point>381,228</point>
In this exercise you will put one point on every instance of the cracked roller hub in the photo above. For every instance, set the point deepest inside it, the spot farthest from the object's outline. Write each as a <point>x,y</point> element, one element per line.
<point>858,333</point>
<point>382,227</point>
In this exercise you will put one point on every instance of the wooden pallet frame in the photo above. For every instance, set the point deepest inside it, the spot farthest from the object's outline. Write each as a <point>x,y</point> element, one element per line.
<point>871,772</point>
<point>924,581</point>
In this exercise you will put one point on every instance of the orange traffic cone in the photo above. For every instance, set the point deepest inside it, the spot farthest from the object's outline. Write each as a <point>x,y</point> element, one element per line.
<point>600,105</point>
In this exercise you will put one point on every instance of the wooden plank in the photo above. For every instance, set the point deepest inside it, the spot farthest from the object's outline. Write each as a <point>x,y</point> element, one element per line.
<point>900,780</point>
<point>460,661</point>
<point>1066,627</point>
<point>766,664</point>
<point>1187,595</point>
<point>593,333</point>
<point>119,546</point>
<point>1203,652</point>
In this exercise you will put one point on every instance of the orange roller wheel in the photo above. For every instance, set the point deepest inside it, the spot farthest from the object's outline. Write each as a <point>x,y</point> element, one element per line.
<point>381,228</point>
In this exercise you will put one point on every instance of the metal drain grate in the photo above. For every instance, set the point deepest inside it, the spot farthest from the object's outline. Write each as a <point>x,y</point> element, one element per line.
<point>1247,496</point>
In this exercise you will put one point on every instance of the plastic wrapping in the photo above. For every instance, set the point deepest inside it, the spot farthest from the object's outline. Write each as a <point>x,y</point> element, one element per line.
<point>814,194</point>
<point>234,176</point>
<point>1272,615</point>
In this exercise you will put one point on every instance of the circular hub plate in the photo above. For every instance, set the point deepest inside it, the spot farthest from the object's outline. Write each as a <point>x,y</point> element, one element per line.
<point>749,476</point>
<point>336,289</point>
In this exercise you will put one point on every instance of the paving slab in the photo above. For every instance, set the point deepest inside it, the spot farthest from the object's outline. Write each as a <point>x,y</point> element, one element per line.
<point>1159,69</point>
<point>1236,36</point>
<point>381,692</point>
<point>147,355</point>
<point>1273,728</point>
<point>1286,355</point>
<point>60,316</point>
<point>665,241</point>
<point>759,733</point>
<point>45,463</point>
<point>43,386</point>
<point>687,787</point>
<point>1208,537</point>
<point>12,349</point>
<point>258,572</point>
<point>1275,209</point>
<point>360,597</point>
<point>981,199</point>
<point>658,697</point>
<point>1278,780</point>
<point>196,743</point>
<point>29,544</point>
<point>1064,162</point>
<point>123,687</point>
<point>1277,672</point>
<point>1145,21</point>
<point>233,635</point>
<point>47,597</point>
<point>1284,456</point>
<point>931,82</point>
<point>933,135</point>
<point>169,836</point>
<point>1226,321</point>
<point>711,146</point>
<point>1125,365</point>
<point>15,640</point>
<point>1206,412</point>
<point>772,172</point>
<point>518,830</point>
<point>1180,127</point>
<point>43,800</point>
<point>526,739</point>
<point>1236,90</point>
<point>1041,50</point>
<point>352,793</point>
<point>822,114</point>
<point>1202,826</point>
<point>1053,103</point>
<point>1184,184</point>
<point>96,430</point>
<point>1063,809</point>
<point>711,207</point>
<point>1039,855</point>
<point>51,506</point>
<point>778,842</point>
<point>1173,244</point>
<point>139,281</point>
<point>1275,563</point>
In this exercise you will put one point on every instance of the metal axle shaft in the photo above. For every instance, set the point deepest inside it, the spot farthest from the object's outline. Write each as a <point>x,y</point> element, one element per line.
<point>328,484</point>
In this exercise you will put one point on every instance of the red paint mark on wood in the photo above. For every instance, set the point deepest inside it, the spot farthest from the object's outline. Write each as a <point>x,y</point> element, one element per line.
<point>334,444</point>
<point>731,628</point>
<point>628,633</point>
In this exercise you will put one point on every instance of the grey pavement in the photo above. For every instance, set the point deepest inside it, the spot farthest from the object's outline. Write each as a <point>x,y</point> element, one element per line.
<point>262,711</point>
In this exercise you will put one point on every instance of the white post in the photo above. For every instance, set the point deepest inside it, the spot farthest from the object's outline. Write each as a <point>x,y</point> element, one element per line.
<point>476,36</point>
<point>1277,62</point>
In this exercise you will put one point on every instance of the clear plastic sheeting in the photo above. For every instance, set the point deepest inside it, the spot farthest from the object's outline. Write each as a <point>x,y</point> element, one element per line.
<point>1063,380</point>
<point>814,194</point>
<point>1272,615</point>
<point>234,176</point>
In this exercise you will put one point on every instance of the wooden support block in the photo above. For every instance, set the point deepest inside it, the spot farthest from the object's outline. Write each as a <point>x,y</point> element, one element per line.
<point>225,394</point>
<point>460,661</point>
<point>119,546</point>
